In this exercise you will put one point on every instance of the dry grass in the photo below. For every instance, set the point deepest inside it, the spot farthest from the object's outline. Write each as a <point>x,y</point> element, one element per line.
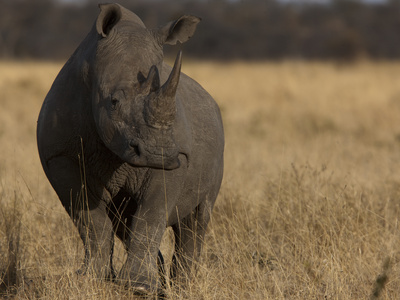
<point>310,200</point>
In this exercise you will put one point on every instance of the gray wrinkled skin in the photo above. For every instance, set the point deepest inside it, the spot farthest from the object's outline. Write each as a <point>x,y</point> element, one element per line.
<point>132,146</point>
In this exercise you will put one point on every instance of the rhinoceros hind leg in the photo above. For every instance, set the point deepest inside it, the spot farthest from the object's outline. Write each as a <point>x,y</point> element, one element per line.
<point>189,235</point>
<point>96,231</point>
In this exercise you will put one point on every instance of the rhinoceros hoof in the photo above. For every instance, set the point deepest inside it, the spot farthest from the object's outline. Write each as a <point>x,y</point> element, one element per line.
<point>142,291</point>
<point>146,292</point>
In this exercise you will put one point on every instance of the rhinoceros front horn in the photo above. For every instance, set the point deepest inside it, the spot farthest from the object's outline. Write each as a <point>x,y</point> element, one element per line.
<point>161,109</point>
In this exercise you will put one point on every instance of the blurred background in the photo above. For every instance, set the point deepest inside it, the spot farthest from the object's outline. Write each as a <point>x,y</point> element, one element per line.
<point>251,29</point>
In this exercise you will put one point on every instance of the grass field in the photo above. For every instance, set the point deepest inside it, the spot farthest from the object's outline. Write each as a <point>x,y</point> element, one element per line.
<point>309,205</point>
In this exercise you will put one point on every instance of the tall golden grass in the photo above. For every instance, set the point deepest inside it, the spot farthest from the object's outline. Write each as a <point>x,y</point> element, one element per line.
<point>309,204</point>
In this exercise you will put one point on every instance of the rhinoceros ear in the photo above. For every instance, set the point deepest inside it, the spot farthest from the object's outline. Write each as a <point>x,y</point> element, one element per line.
<point>179,30</point>
<point>110,14</point>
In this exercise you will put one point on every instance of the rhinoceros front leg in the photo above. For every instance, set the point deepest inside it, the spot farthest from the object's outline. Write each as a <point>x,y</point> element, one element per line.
<point>88,211</point>
<point>141,270</point>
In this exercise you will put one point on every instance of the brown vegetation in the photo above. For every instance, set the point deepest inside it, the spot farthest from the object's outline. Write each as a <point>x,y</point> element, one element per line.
<point>309,205</point>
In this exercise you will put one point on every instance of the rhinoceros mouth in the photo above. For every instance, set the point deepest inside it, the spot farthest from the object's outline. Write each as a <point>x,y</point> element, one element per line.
<point>154,157</point>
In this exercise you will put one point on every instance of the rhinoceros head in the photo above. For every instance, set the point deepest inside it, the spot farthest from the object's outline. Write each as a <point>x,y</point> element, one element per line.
<point>134,113</point>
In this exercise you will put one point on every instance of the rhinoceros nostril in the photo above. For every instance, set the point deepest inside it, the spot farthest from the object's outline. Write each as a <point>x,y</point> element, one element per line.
<point>135,148</point>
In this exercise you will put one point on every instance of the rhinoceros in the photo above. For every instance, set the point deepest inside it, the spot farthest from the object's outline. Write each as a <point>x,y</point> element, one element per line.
<point>132,146</point>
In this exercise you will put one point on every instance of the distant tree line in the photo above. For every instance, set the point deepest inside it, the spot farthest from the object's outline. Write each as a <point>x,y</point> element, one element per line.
<point>247,29</point>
